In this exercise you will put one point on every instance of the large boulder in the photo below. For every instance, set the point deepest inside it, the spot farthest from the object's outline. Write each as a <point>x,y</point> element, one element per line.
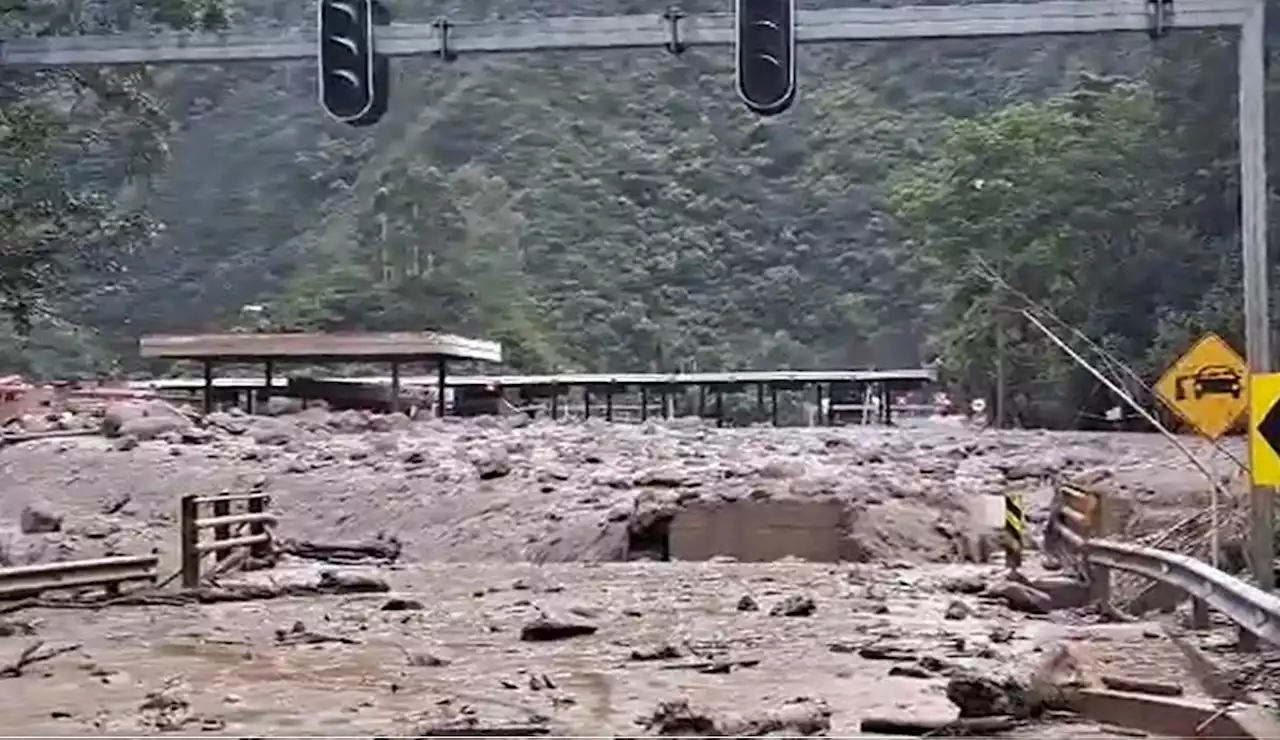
<point>39,519</point>
<point>151,427</point>
<point>142,419</point>
<point>118,413</point>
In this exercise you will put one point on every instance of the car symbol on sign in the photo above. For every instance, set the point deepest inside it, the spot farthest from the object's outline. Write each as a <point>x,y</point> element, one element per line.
<point>1216,380</point>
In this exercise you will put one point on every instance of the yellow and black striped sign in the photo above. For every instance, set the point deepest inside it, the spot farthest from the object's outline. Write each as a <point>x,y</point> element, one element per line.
<point>1015,520</point>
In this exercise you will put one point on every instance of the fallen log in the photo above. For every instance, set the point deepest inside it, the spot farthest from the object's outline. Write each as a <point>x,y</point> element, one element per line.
<point>503,731</point>
<point>344,553</point>
<point>960,727</point>
<point>32,655</point>
<point>15,438</point>
<point>1139,686</point>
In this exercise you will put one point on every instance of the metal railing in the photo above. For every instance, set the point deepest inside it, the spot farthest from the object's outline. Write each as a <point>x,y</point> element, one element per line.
<point>1071,533</point>
<point>238,520</point>
<point>107,573</point>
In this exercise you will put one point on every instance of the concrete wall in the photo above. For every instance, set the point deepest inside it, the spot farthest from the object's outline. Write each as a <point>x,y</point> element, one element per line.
<point>757,531</point>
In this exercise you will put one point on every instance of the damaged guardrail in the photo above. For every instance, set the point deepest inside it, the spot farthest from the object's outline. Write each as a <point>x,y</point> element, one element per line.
<point>106,573</point>
<point>1254,610</point>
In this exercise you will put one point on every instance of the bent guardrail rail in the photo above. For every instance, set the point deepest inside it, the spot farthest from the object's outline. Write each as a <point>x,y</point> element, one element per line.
<point>108,573</point>
<point>1254,610</point>
<point>1248,606</point>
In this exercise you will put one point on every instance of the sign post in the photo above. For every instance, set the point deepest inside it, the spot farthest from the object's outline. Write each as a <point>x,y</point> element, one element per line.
<point>1015,530</point>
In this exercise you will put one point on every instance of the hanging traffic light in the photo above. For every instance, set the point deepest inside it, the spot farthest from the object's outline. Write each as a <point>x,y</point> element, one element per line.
<point>766,54</point>
<point>354,78</point>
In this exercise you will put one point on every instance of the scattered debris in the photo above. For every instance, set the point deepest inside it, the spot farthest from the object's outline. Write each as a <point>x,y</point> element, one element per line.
<point>402,605</point>
<point>298,634</point>
<point>971,586</point>
<point>344,553</point>
<point>797,605</point>
<point>546,629</point>
<point>1021,597</point>
<point>1139,686</point>
<point>664,651</point>
<point>168,711</point>
<point>957,610</point>
<point>802,716</point>
<point>333,582</point>
<point>678,718</point>
<point>911,671</point>
<point>32,654</point>
<point>962,727</point>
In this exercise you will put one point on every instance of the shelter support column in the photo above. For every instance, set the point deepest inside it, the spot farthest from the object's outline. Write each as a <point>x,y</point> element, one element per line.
<point>208,386</point>
<point>702,402</point>
<point>608,404</point>
<point>719,407</point>
<point>760,401</point>
<point>442,373</point>
<point>644,403</point>
<point>817,400</point>
<point>586,402</point>
<point>395,387</point>
<point>268,379</point>
<point>773,404</point>
<point>886,403</point>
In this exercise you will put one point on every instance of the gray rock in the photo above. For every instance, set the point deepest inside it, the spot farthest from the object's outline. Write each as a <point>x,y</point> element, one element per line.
<point>118,413</point>
<point>957,610</point>
<point>151,427</point>
<point>39,519</point>
<point>492,463</point>
<point>282,405</point>
<point>272,432</point>
<point>1023,598</point>
<point>796,605</point>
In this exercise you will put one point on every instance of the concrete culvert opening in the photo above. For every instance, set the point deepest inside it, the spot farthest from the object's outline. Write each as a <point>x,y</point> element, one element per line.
<point>759,531</point>
<point>650,539</point>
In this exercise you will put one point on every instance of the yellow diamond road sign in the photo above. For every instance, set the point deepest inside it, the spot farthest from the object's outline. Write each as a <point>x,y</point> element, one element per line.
<point>1264,429</point>
<point>1207,386</point>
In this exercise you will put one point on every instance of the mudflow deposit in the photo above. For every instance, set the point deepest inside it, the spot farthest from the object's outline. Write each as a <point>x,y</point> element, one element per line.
<point>502,577</point>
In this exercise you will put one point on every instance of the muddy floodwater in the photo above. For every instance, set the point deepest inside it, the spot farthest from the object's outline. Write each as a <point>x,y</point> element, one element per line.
<point>500,523</point>
<point>444,648</point>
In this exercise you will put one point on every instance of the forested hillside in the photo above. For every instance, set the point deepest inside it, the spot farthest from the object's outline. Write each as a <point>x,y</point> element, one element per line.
<point>624,211</point>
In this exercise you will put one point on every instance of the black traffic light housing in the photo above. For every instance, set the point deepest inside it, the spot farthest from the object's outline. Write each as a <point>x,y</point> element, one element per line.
<point>354,77</point>
<point>766,54</point>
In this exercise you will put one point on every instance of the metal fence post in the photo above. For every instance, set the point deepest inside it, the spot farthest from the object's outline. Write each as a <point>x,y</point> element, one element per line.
<point>258,505</point>
<point>190,536</point>
<point>1100,575</point>
<point>221,507</point>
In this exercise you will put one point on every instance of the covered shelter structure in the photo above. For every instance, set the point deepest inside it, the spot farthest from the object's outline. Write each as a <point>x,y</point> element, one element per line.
<point>396,349</point>
<point>832,391</point>
<point>828,387</point>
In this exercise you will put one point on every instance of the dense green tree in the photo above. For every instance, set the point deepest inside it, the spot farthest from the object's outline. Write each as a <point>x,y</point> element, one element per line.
<point>621,211</point>
<point>69,139</point>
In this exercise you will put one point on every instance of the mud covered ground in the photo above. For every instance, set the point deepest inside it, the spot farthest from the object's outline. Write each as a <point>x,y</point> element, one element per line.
<point>503,522</point>
<point>444,650</point>
<point>504,490</point>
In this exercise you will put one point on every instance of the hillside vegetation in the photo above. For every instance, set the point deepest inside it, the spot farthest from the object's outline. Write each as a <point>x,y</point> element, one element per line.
<point>624,211</point>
